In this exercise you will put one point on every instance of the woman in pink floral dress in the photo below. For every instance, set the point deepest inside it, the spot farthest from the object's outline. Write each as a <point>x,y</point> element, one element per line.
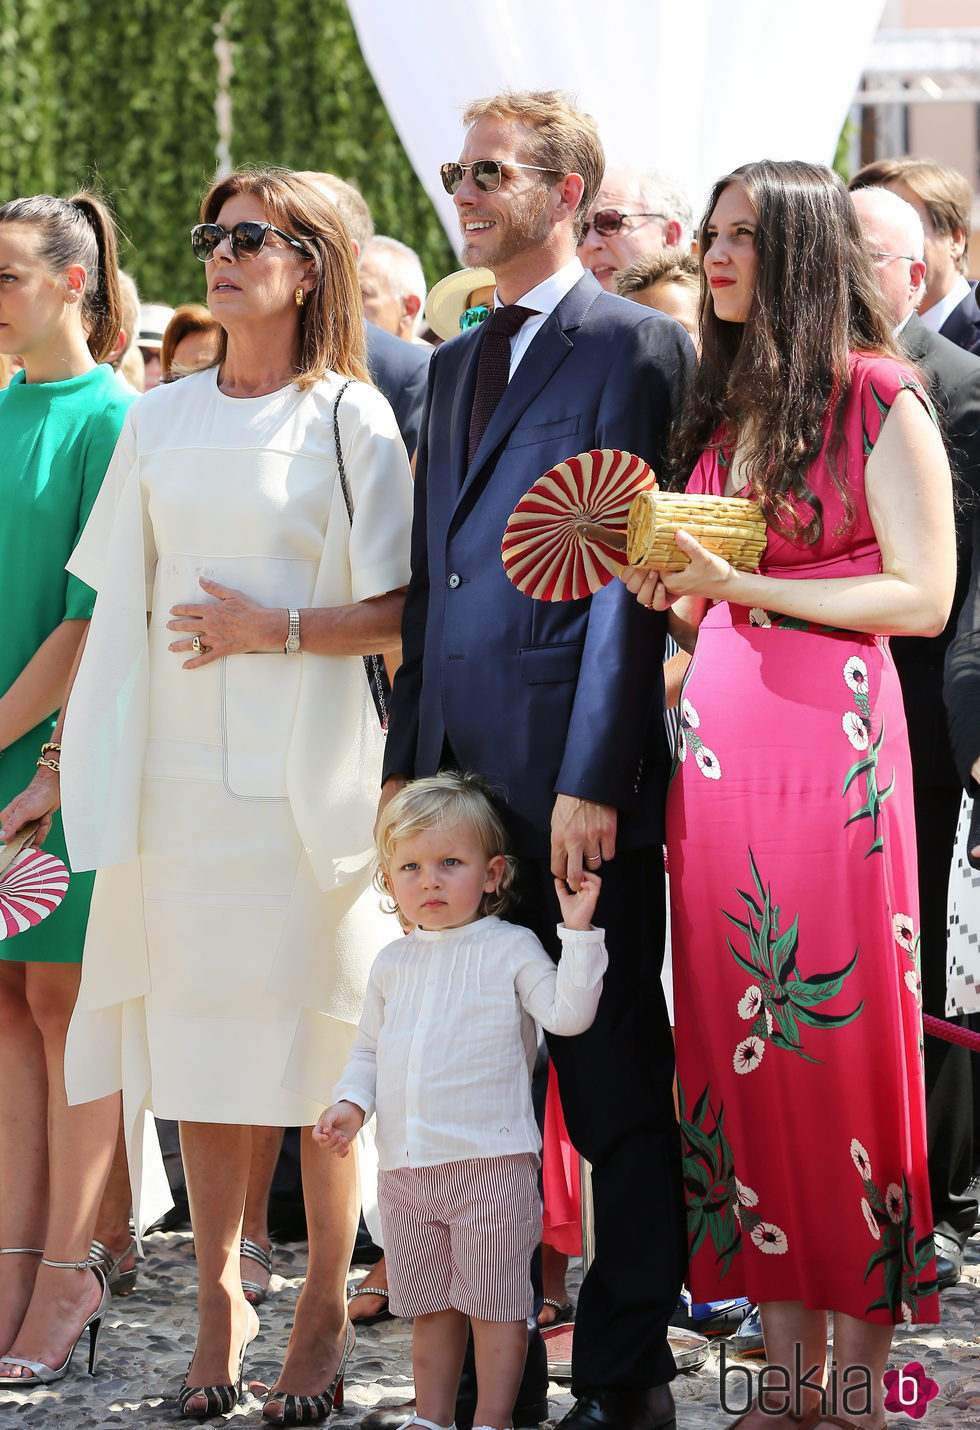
<point>790,827</point>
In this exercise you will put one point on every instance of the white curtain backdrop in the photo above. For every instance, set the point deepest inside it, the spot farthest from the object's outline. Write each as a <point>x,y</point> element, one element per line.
<point>694,88</point>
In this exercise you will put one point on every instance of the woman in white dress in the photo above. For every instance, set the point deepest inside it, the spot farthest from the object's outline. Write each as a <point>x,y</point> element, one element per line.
<point>220,769</point>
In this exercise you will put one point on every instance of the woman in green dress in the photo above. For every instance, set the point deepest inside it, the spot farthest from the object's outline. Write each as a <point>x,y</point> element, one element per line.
<point>59,420</point>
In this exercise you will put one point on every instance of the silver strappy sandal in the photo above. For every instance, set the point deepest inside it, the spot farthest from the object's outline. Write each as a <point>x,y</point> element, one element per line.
<point>120,1283</point>
<point>255,1292</point>
<point>42,1374</point>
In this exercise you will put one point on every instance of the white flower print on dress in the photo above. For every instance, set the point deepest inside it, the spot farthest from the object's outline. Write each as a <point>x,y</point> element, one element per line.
<point>860,1158</point>
<point>856,730</point>
<point>758,616</point>
<point>769,1238</point>
<point>856,675</point>
<point>688,739</point>
<point>748,1054</point>
<point>869,1217</point>
<point>912,981</point>
<point>750,1003</point>
<point>746,1196</point>
<point>894,1202</point>
<point>904,931</point>
<point>708,763</point>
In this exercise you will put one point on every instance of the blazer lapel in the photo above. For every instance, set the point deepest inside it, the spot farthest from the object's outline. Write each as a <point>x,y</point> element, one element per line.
<point>549,349</point>
<point>462,406</point>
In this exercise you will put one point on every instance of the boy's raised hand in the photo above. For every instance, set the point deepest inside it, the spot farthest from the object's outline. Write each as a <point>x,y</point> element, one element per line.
<point>338,1126</point>
<point>577,908</point>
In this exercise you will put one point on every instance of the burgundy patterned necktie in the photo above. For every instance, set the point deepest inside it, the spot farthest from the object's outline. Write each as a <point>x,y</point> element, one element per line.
<point>493,369</point>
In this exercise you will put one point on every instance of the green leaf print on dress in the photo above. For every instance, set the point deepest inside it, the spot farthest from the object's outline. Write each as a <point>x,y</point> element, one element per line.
<point>856,725</point>
<point>719,1206</point>
<point>888,1216</point>
<point>781,998</point>
<point>709,1181</point>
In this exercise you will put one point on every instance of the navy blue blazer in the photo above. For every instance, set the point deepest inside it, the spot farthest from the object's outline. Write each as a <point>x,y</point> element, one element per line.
<point>540,697</point>
<point>399,370</point>
<point>962,327</point>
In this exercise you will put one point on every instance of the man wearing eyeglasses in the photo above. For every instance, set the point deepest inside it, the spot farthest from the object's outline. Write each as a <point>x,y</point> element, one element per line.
<point>558,705</point>
<point>636,212</point>
<point>894,233</point>
<point>943,200</point>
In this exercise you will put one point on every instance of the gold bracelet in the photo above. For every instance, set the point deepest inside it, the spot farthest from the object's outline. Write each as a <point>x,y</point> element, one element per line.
<point>49,745</point>
<point>50,765</point>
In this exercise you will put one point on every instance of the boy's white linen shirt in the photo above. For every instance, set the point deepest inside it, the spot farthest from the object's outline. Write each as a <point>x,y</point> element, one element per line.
<point>446,1041</point>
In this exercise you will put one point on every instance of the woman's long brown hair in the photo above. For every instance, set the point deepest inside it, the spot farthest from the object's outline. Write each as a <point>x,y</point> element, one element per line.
<point>776,384</point>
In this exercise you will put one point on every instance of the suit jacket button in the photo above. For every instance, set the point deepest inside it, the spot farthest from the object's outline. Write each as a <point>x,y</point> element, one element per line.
<point>453,580</point>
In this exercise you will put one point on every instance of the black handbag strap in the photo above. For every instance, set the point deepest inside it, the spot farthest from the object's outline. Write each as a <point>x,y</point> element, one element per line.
<point>373,664</point>
<point>340,452</point>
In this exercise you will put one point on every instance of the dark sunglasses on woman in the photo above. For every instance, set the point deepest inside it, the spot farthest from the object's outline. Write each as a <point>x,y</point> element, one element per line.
<point>486,173</point>
<point>246,239</point>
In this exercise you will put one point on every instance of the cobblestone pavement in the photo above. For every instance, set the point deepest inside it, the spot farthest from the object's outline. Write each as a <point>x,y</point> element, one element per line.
<point>148,1340</point>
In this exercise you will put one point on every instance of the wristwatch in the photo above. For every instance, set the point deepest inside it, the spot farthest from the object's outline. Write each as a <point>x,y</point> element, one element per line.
<point>292,639</point>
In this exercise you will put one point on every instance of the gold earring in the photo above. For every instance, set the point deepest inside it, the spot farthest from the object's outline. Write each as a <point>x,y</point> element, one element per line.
<point>300,296</point>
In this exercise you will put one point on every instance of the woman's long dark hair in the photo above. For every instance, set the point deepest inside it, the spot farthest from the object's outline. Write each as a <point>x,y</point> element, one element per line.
<point>78,230</point>
<point>772,381</point>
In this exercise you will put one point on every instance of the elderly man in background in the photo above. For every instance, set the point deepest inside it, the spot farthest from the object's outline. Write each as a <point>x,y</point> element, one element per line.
<point>636,211</point>
<point>392,287</point>
<point>900,254</point>
<point>398,369</point>
<point>943,199</point>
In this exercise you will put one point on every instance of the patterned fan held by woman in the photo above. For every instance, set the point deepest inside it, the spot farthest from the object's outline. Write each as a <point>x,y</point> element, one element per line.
<point>548,549</point>
<point>581,522</point>
<point>32,884</point>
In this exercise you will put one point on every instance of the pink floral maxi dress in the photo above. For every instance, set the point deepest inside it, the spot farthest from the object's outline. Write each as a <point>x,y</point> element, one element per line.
<point>791,844</point>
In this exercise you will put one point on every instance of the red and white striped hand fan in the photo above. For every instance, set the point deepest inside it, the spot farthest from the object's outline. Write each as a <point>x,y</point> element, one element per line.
<point>31,887</point>
<point>567,536</point>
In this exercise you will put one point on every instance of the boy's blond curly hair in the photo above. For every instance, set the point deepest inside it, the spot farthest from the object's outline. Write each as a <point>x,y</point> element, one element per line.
<point>440,801</point>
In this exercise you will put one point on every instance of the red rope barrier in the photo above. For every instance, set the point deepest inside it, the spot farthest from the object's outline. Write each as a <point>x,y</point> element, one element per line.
<point>951,1032</point>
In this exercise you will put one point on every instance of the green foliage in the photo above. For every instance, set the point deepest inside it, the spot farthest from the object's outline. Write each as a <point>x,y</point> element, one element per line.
<point>122,99</point>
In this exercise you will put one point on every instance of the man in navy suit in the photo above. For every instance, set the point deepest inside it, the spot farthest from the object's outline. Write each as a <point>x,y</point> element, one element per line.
<point>560,705</point>
<point>943,200</point>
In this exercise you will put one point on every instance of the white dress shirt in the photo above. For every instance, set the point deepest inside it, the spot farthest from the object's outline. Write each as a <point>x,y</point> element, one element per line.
<point>446,1042</point>
<point>935,316</point>
<point>544,299</point>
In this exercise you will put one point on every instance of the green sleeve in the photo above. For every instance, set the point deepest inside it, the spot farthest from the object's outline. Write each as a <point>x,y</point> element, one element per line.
<point>103,433</point>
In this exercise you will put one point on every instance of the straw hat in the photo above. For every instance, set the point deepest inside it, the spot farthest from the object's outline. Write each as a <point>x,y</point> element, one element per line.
<point>446,302</point>
<point>154,318</point>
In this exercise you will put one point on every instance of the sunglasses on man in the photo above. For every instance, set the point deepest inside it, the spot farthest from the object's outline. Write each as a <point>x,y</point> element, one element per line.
<point>486,173</point>
<point>609,221</point>
<point>246,239</point>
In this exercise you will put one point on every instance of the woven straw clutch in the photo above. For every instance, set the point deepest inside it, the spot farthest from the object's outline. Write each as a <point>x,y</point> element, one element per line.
<point>729,526</point>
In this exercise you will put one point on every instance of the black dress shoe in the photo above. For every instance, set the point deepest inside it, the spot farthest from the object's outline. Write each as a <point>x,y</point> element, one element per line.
<point>747,1340</point>
<point>651,1409</point>
<point>949,1261</point>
